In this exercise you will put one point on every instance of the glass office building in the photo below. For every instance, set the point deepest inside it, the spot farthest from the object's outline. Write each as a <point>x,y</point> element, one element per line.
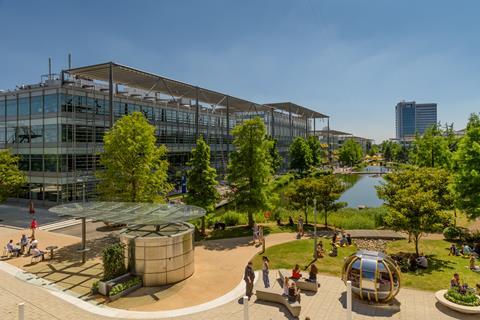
<point>412,118</point>
<point>56,127</point>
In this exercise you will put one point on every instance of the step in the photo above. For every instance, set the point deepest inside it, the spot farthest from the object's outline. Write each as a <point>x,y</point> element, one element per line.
<point>61,224</point>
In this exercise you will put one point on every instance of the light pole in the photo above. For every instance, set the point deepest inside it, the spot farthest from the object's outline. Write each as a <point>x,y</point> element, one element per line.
<point>83,249</point>
<point>315,228</point>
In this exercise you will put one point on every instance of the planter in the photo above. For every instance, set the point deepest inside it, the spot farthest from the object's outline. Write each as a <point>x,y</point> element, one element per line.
<point>105,286</point>
<point>125,292</point>
<point>440,296</point>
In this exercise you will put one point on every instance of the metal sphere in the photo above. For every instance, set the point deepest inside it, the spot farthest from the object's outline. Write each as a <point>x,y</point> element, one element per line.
<point>374,275</point>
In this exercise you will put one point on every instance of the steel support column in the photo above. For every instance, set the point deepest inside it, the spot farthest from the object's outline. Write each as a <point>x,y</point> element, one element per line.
<point>306,127</point>
<point>110,94</point>
<point>273,122</point>
<point>197,114</point>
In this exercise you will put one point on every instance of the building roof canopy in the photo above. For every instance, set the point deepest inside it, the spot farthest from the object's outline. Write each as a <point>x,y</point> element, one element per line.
<point>296,109</point>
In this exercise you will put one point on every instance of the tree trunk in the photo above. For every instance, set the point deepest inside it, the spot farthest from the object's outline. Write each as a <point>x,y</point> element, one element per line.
<point>454,217</point>
<point>326,216</point>
<point>416,238</point>
<point>202,228</point>
<point>250,219</point>
<point>306,215</point>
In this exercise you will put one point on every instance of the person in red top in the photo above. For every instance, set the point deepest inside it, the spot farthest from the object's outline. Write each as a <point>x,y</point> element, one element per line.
<point>33,226</point>
<point>296,273</point>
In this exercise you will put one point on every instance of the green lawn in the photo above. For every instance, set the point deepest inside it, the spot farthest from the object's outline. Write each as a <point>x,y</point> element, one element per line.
<point>436,277</point>
<point>441,265</point>
<point>288,254</point>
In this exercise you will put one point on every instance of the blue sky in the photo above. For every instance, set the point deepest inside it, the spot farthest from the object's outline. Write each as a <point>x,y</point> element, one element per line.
<point>353,60</point>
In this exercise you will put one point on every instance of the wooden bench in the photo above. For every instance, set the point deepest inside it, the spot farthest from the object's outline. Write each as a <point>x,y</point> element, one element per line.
<point>302,283</point>
<point>276,295</point>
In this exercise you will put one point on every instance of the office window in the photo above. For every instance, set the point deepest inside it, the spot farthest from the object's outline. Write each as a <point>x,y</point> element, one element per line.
<point>51,133</point>
<point>51,103</point>
<point>37,105</point>
<point>24,106</point>
<point>12,108</point>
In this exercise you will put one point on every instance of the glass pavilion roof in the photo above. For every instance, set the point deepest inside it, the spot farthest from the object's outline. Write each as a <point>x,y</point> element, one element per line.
<point>130,212</point>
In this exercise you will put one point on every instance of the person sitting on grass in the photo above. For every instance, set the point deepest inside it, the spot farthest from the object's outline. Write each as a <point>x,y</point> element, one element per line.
<point>455,282</point>
<point>473,267</point>
<point>320,251</point>
<point>343,240</point>
<point>453,250</point>
<point>334,237</point>
<point>312,274</point>
<point>296,273</point>
<point>466,250</point>
<point>422,261</point>
<point>349,239</point>
<point>334,251</point>
<point>293,293</point>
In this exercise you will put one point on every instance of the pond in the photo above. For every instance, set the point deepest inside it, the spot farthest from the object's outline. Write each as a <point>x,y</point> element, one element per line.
<point>361,191</point>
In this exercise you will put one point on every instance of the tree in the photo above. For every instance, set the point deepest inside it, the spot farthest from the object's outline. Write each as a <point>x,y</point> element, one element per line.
<point>249,168</point>
<point>431,149</point>
<point>135,168</point>
<point>316,149</point>
<point>467,169</point>
<point>275,157</point>
<point>11,178</point>
<point>202,180</point>
<point>328,189</point>
<point>350,153</point>
<point>417,199</point>
<point>301,157</point>
<point>373,150</point>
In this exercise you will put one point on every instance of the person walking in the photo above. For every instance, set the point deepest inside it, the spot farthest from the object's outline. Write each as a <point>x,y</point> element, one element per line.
<point>300,227</point>
<point>265,271</point>
<point>249,277</point>
<point>33,226</point>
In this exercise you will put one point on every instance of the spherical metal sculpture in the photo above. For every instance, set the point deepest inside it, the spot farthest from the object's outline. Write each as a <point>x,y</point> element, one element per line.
<point>374,275</point>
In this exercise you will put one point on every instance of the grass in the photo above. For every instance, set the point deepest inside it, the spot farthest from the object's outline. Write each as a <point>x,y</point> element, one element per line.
<point>436,277</point>
<point>288,254</point>
<point>441,266</point>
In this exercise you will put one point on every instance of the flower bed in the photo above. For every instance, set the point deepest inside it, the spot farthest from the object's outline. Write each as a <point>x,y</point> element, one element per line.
<point>463,296</point>
<point>124,288</point>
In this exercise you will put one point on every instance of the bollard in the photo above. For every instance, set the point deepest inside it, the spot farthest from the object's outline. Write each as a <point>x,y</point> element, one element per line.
<point>245,308</point>
<point>349,300</point>
<point>21,311</point>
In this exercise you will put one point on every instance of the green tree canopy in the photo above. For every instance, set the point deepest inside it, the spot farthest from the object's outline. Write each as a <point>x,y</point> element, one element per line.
<point>374,149</point>
<point>350,153</point>
<point>417,199</point>
<point>135,167</point>
<point>202,179</point>
<point>467,169</point>
<point>11,178</point>
<point>249,168</point>
<point>326,189</point>
<point>432,149</point>
<point>318,153</point>
<point>301,157</point>
<point>275,157</point>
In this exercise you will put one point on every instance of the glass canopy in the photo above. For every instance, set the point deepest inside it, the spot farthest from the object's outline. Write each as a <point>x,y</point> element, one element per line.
<point>130,212</point>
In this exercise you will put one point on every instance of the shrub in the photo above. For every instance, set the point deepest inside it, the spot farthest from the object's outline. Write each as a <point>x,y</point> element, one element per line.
<point>232,218</point>
<point>451,233</point>
<point>467,298</point>
<point>113,258</point>
<point>473,236</point>
<point>120,287</point>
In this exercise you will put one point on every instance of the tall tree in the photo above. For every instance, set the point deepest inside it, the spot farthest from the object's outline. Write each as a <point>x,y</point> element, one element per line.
<point>467,169</point>
<point>316,149</point>
<point>431,149</point>
<point>301,194</point>
<point>275,157</point>
<point>328,189</point>
<point>250,169</point>
<point>301,157</point>
<point>417,199</point>
<point>11,178</point>
<point>135,167</point>
<point>202,180</point>
<point>350,153</point>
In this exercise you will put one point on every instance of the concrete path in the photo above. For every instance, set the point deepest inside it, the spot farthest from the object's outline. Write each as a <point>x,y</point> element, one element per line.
<point>376,234</point>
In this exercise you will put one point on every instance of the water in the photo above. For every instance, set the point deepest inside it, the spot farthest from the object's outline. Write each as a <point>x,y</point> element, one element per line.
<point>362,191</point>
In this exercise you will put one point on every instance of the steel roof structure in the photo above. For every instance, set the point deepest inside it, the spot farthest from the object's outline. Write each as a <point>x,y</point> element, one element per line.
<point>153,83</point>
<point>130,213</point>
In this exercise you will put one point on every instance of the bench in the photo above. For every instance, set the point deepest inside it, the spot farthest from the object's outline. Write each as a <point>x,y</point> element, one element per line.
<point>302,283</point>
<point>276,295</point>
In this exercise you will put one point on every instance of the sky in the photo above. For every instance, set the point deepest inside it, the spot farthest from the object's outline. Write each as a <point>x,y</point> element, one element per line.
<point>350,59</point>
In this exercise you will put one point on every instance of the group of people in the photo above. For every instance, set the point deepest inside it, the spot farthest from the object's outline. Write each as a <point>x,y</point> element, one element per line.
<point>456,283</point>
<point>464,250</point>
<point>290,288</point>
<point>32,245</point>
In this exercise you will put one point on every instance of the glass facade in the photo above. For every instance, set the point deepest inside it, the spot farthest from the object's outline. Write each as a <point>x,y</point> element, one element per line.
<point>412,118</point>
<point>57,131</point>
